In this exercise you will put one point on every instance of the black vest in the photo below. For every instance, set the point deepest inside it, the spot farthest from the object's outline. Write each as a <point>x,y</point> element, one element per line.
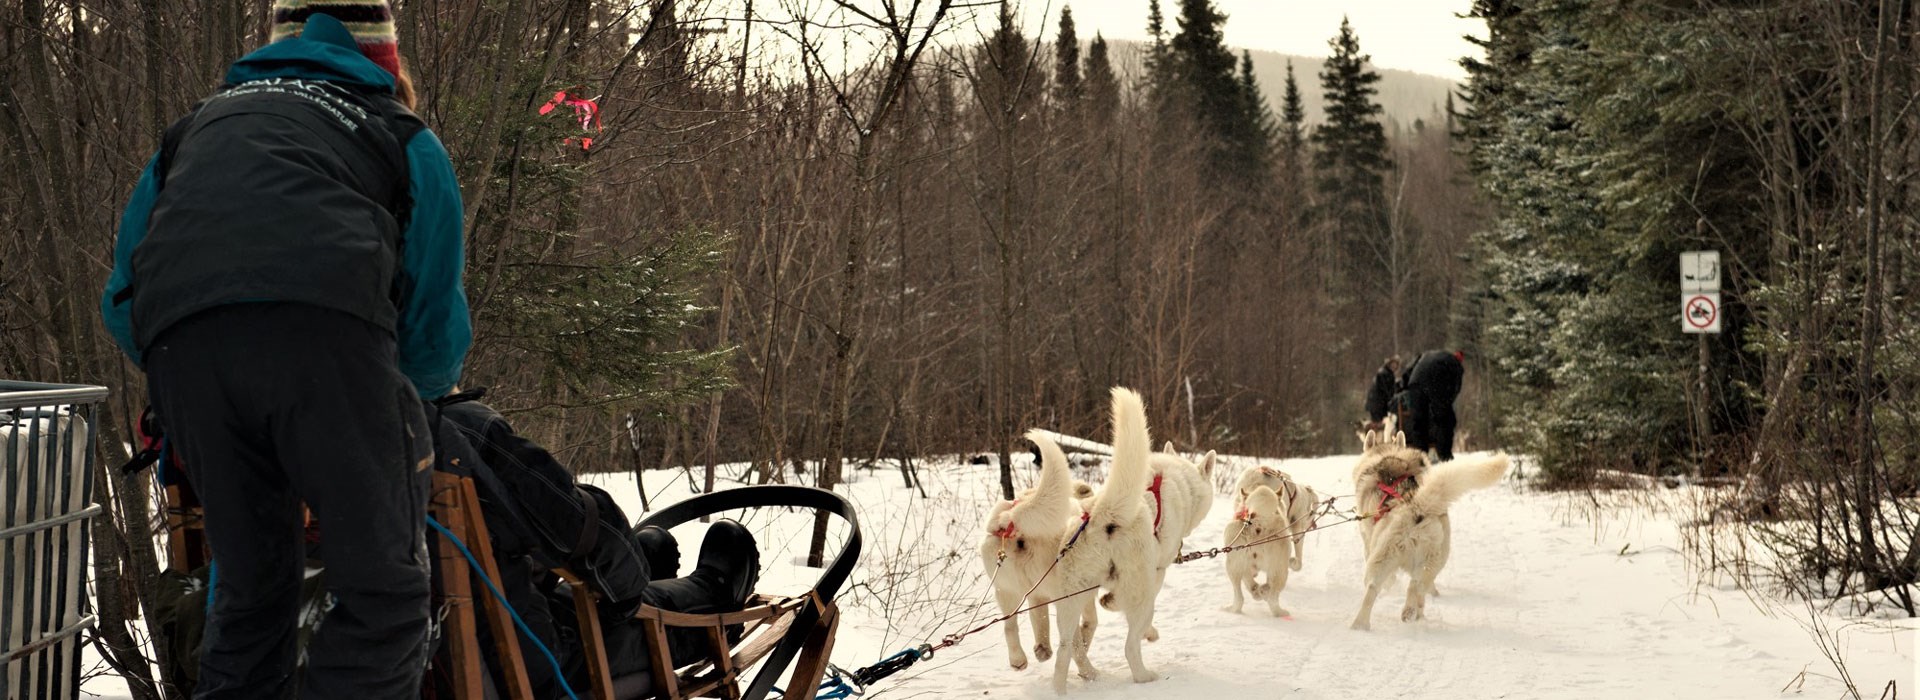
<point>277,190</point>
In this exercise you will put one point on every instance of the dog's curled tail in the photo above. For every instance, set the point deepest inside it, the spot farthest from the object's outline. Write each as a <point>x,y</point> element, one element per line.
<point>1050,505</point>
<point>1132,447</point>
<point>1056,480</point>
<point>1444,483</point>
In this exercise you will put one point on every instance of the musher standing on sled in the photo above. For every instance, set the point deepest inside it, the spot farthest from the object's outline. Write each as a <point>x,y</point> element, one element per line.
<point>288,274</point>
<point>1428,389</point>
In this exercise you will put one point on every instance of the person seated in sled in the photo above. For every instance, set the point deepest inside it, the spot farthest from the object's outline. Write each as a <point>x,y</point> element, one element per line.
<point>541,518</point>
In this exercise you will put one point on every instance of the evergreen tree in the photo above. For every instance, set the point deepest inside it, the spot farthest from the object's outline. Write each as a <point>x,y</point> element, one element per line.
<point>1256,131</point>
<point>1007,83</point>
<point>1293,129</point>
<point>1157,60</point>
<point>1487,96</point>
<point>1349,160</point>
<point>1102,86</point>
<point>1068,88</point>
<point>1204,88</point>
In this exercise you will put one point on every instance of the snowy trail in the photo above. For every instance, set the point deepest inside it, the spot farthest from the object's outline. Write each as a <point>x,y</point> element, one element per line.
<point>1538,601</point>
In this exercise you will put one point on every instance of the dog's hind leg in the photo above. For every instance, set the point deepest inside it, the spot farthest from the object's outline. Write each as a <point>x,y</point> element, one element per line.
<point>1363,621</point>
<point>1139,620</point>
<point>1159,580</point>
<point>1276,581</point>
<point>1379,573</point>
<point>1238,583</point>
<point>1068,616</point>
<point>1446,551</point>
<point>1419,588</point>
<point>1009,603</point>
<point>1042,637</point>
<point>1416,601</point>
<point>1088,623</point>
<point>1072,646</point>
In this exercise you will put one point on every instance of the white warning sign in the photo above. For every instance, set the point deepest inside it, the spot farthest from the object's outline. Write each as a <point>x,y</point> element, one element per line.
<point>1700,312</point>
<point>1700,271</point>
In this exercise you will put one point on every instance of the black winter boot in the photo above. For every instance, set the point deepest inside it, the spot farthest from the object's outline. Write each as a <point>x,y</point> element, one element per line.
<point>729,556</point>
<point>661,550</point>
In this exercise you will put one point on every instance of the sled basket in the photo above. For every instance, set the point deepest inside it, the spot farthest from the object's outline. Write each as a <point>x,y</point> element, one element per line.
<point>778,631</point>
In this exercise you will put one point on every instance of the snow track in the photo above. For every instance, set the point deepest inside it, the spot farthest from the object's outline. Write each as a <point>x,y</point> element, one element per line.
<point>1538,601</point>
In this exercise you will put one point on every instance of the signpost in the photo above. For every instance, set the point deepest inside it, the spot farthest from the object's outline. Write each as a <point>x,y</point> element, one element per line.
<point>1700,292</point>
<point>1700,315</point>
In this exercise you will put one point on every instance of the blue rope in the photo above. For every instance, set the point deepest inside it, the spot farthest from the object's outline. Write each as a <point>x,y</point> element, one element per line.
<point>844,684</point>
<point>213,577</point>
<point>558,674</point>
<point>834,689</point>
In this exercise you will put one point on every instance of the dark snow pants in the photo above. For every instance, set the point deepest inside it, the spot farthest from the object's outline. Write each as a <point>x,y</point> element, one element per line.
<point>1431,422</point>
<point>275,404</point>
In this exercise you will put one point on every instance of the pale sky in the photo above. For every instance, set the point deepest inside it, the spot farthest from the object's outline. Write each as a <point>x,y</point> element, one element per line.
<point>1417,35</point>
<point>1422,36</point>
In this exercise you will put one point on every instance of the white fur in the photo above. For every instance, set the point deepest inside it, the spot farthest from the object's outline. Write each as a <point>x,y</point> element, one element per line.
<point>1118,550</point>
<point>1264,519</point>
<point>1016,562</point>
<point>1297,499</point>
<point>1412,533</point>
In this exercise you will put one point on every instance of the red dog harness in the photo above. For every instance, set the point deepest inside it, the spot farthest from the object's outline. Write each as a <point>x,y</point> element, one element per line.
<point>1007,533</point>
<point>1154,489</point>
<point>1392,494</point>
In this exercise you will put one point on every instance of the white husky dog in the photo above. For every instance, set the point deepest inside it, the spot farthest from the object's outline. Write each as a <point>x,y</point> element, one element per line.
<point>1297,499</point>
<point>1111,542</point>
<point>1023,535</point>
<point>1260,529</point>
<point>1402,503</point>
<point>1180,495</point>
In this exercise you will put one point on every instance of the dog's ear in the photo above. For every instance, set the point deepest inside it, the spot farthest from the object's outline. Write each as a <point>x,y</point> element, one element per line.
<point>1206,463</point>
<point>1167,448</point>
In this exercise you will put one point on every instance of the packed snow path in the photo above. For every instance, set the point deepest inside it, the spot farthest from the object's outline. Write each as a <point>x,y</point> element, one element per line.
<point>1546,596</point>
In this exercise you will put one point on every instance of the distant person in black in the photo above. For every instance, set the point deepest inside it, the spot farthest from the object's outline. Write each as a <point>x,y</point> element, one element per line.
<point>1427,391</point>
<point>1379,396</point>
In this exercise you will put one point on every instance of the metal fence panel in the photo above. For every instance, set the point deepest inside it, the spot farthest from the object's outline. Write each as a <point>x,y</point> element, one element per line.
<point>46,501</point>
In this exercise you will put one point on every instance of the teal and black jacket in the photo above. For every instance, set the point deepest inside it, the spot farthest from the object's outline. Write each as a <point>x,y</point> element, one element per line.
<point>303,180</point>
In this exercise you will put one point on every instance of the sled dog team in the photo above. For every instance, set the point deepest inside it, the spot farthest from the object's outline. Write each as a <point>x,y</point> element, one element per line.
<point>1065,545</point>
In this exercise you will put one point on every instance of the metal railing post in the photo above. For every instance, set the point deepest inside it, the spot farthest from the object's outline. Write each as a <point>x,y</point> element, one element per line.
<point>46,501</point>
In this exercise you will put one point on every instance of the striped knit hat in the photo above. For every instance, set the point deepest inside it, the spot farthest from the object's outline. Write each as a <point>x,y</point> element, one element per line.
<point>370,21</point>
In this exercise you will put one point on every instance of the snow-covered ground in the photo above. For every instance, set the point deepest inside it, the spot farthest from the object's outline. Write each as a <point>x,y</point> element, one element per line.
<point>1546,596</point>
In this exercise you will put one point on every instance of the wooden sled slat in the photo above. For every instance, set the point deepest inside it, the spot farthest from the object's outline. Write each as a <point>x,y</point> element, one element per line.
<point>592,639</point>
<point>758,645</point>
<point>457,508</point>
<point>775,630</point>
